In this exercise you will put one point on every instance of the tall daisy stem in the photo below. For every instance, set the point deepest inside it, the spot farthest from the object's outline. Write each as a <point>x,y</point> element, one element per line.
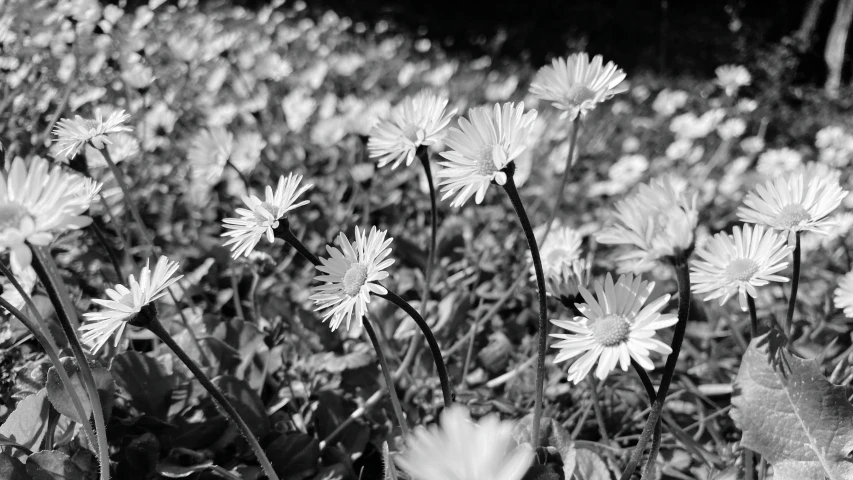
<point>753,317</point>
<point>287,235</point>
<point>515,198</point>
<point>149,320</point>
<point>682,273</point>
<point>570,161</point>
<point>648,472</point>
<point>127,198</point>
<point>389,379</point>
<point>423,156</point>
<point>43,265</point>
<point>795,282</point>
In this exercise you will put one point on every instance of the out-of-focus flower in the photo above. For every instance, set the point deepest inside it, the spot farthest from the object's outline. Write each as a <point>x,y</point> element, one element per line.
<point>72,135</point>
<point>209,152</point>
<point>481,147</point>
<point>630,145</point>
<point>576,85</point>
<point>350,275</point>
<point>416,121</point>
<point>298,106</point>
<point>752,145</point>
<point>731,129</point>
<point>125,303</point>
<point>247,151</point>
<point>657,222</point>
<point>462,449</point>
<point>732,179</point>
<point>138,76</point>
<point>732,78</point>
<point>737,263</point>
<point>122,146</point>
<point>497,91</point>
<point>835,146</point>
<point>262,217</point>
<point>614,329</point>
<point>629,169</point>
<point>37,202</point>
<point>561,247</point>
<point>839,226</point>
<point>669,101</point>
<point>688,125</point>
<point>844,295</point>
<point>746,105</point>
<point>778,161</point>
<point>679,149</point>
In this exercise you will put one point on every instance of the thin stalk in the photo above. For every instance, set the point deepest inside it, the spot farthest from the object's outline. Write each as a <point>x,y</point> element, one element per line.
<point>389,379</point>
<point>110,252</point>
<point>795,282</point>
<point>51,350</point>
<point>748,464</point>
<point>753,317</point>
<point>154,325</point>
<point>423,156</point>
<point>570,161</point>
<point>126,193</point>
<point>43,265</point>
<point>596,406</point>
<point>515,198</point>
<point>235,296</point>
<point>682,273</point>
<point>649,470</point>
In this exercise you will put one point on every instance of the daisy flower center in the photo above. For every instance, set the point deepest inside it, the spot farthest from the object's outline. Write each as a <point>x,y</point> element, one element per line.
<point>354,279</point>
<point>11,215</point>
<point>486,161</point>
<point>413,133</point>
<point>577,94</point>
<point>741,270</point>
<point>610,330</point>
<point>792,215</point>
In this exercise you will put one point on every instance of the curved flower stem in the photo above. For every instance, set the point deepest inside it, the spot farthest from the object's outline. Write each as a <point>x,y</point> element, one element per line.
<point>154,325</point>
<point>51,350</point>
<point>389,379</point>
<point>753,317</point>
<point>648,471</point>
<point>43,265</point>
<point>515,198</point>
<point>570,161</point>
<point>682,273</point>
<point>795,282</point>
<point>423,156</point>
<point>287,235</point>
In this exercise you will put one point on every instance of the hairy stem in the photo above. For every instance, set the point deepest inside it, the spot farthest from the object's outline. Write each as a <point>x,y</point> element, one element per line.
<point>389,379</point>
<point>795,282</point>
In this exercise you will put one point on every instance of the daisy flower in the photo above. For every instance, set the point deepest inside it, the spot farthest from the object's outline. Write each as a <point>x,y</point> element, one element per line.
<point>657,222</point>
<point>262,217</point>
<point>576,85</point>
<point>778,161</point>
<point>458,448</point>
<point>561,247</point>
<point>209,152</point>
<point>737,263</point>
<point>416,121</point>
<point>37,202</point>
<point>732,77</point>
<point>74,134</point>
<point>669,101</point>
<point>796,202</point>
<point>125,303</point>
<point>122,146</point>
<point>481,147</point>
<point>844,295</point>
<point>614,328</point>
<point>350,275</point>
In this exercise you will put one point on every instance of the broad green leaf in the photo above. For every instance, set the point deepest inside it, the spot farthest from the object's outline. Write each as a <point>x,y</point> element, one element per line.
<point>792,415</point>
<point>590,466</point>
<point>61,400</point>
<point>27,424</point>
<point>52,465</point>
<point>140,376</point>
<point>12,469</point>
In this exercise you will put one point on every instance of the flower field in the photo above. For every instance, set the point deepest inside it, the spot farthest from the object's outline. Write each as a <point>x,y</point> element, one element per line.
<point>224,233</point>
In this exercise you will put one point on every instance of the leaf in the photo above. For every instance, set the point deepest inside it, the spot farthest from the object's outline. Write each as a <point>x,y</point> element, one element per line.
<point>140,376</point>
<point>60,398</point>
<point>389,471</point>
<point>52,465</point>
<point>294,455</point>
<point>12,469</point>
<point>791,414</point>
<point>590,466</point>
<point>169,470</point>
<point>248,404</point>
<point>556,440</point>
<point>27,424</point>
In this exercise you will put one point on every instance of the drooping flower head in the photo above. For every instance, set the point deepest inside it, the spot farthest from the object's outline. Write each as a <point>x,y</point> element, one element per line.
<point>125,303</point>
<point>614,328</point>
<point>460,449</point>
<point>37,202</point>
<point>262,217</point>
<point>481,147</point>
<point>844,295</point>
<point>732,77</point>
<point>416,121</point>
<point>350,275</point>
<point>576,85</point>
<point>72,135</point>
<point>658,222</point>
<point>800,201</point>
<point>737,263</point>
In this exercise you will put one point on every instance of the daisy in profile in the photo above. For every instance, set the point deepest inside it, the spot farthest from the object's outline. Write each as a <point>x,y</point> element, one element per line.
<point>561,247</point>
<point>37,202</point>
<point>614,328</point>
<point>844,295</point>
<point>125,303</point>
<point>800,201</point>
<point>72,135</point>
<point>416,121</point>
<point>657,222</point>
<point>576,85</point>
<point>737,263</point>
<point>122,146</point>
<point>459,448</point>
<point>481,147</point>
<point>732,77</point>
<point>261,218</point>
<point>350,275</point>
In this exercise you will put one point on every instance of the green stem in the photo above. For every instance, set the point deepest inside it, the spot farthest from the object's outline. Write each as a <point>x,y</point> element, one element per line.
<point>682,273</point>
<point>127,199</point>
<point>515,198</point>
<point>570,161</point>
<point>423,156</point>
<point>753,317</point>
<point>43,265</point>
<point>154,325</point>
<point>389,379</point>
<point>110,252</point>
<point>649,470</point>
<point>795,282</point>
